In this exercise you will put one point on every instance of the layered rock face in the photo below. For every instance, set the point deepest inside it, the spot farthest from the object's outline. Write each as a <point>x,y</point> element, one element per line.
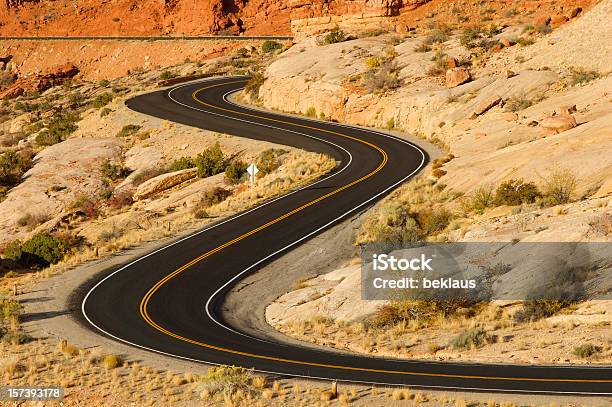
<point>312,16</point>
<point>147,17</point>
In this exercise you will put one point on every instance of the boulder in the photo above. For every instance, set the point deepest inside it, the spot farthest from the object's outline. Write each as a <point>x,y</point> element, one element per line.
<point>559,123</point>
<point>511,116</point>
<point>486,104</point>
<point>457,76</point>
<point>163,182</point>
<point>567,109</point>
<point>576,12</point>
<point>452,63</point>
<point>507,73</point>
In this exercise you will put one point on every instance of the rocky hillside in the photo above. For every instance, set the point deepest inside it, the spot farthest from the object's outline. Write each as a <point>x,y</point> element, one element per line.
<point>257,17</point>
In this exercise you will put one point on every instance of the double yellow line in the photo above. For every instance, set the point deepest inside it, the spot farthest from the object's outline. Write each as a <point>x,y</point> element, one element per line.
<point>146,299</point>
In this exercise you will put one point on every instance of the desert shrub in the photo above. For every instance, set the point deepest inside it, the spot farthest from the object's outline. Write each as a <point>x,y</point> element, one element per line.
<point>121,199</point>
<point>311,112</point>
<point>60,126</point>
<point>481,199</point>
<point>382,78</point>
<point>13,165</point>
<point>113,171</point>
<point>423,311</point>
<point>43,249</point>
<point>602,224</point>
<point>225,379</point>
<point>390,123</point>
<point>559,187</point>
<point>469,36</point>
<point>438,172</point>
<point>104,83</point>
<point>76,98</point>
<point>128,130</point>
<point>517,103</point>
<point>439,35</point>
<point>440,65</point>
<point>182,163</point>
<point>334,36</point>
<point>579,76</point>
<point>235,171</point>
<point>373,62</point>
<point>394,224</point>
<point>422,48</point>
<point>543,29</point>
<point>89,207</point>
<point>105,112</point>
<point>112,361</point>
<point>268,160</point>
<point>253,85</point>
<point>586,350</point>
<point>534,310</point>
<point>516,192</point>
<point>102,100</point>
<point>434,220</point>
<point>270,46</point>
<point>12,250</point>
<point>9,308</point>
<point>164,76</point>
<point>215,196</point>
<point>525,42</point>
<point>211,161</point>
<point>16,337</point>
<point>470,339</point>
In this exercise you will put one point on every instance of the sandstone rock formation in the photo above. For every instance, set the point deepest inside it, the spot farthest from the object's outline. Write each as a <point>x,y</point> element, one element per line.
<point>41,82</point>
<point>163,182</point>
<point>457,76</point>
<point>559,123</point>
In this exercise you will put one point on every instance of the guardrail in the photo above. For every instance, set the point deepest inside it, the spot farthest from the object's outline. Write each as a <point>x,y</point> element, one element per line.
<point>158,38</point>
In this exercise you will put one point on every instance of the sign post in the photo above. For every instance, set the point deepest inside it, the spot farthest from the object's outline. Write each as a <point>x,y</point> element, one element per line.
<point>252,170</point>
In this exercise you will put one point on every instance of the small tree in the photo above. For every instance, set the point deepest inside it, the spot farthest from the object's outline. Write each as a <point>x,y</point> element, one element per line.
<point>334,36</point>
<point>559,186</point>
<point>235,171</point>
<point>211,161</point>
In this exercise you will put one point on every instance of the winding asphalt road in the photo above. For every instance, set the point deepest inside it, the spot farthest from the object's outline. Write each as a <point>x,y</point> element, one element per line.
<point>169,300</point>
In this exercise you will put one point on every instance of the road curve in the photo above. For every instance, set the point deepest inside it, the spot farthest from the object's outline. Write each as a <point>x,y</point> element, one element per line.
<point>169,300</point>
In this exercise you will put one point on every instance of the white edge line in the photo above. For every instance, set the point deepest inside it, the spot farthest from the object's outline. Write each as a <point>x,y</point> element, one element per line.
<point>269,202</point>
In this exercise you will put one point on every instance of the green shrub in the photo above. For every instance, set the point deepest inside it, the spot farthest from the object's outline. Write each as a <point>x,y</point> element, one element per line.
<point>581,75</point>
<point>439,35</point>
<point>112,171</point>
<point>58,128</point>
<point>211,161</point>
<point>516,192</point>
<point>586,350</point>
<point>76,98</point>
<point>534,310</point>
<point>12,250</point>
<point>128,130</point>
<point>468,36</point>
<point>334,36</point>
<point>105,112</point>
<point>525,42</point>
<point>12,167</point>
<point>268,160</point>
<point>559,187</point>
<point>167,75</point>
<point>470,339</point>
<point>253,85</point>
<point>104,83</point>
<point>390,123</point>
<point>43,249</point>
<point>383,78</point>
<point>482,198</point>
<point>270,46</point>
<point>182,163</point>
<point>102,100</point>
<point>9,308</point>
<point>235,171</point>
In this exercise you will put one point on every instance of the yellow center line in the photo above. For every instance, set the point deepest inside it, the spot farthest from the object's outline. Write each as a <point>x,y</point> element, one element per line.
<point>145,301</point>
